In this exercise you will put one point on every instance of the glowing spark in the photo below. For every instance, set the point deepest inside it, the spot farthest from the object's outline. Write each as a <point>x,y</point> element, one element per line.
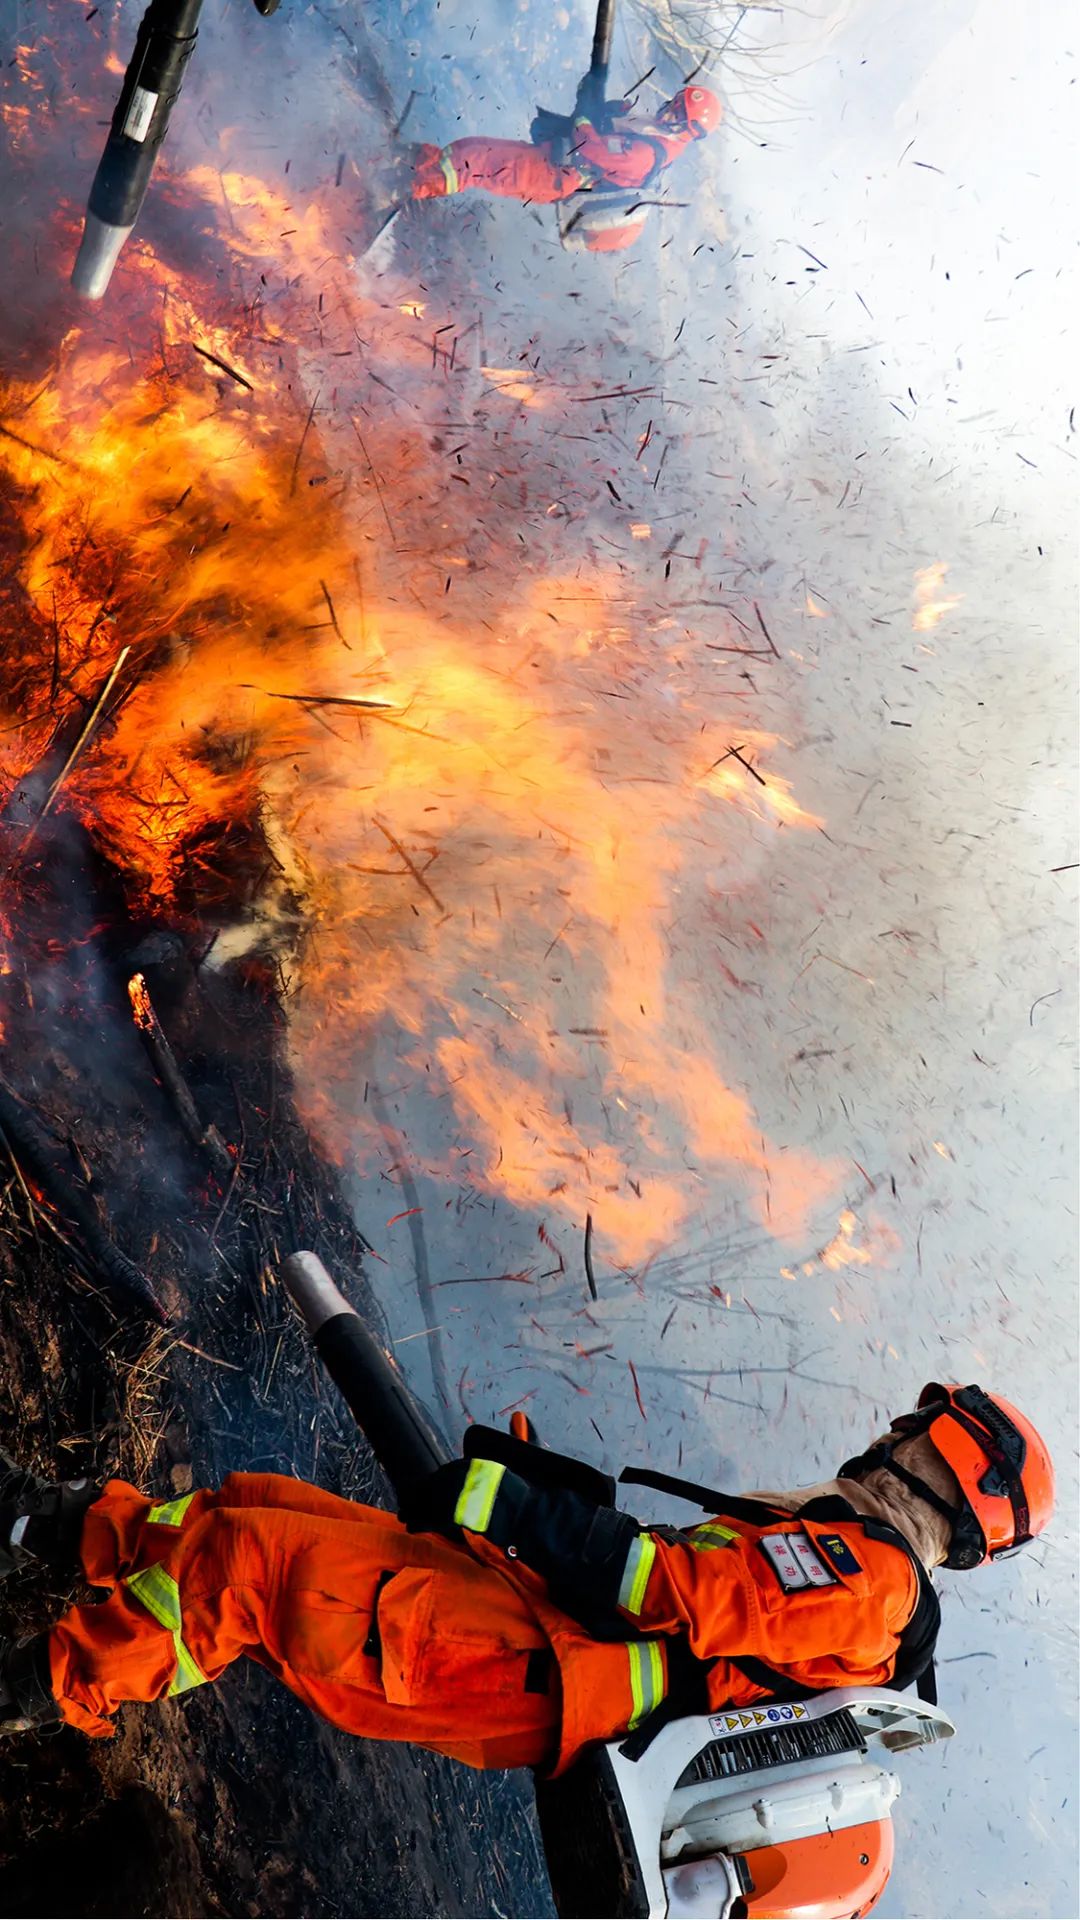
<point>840,1252</point>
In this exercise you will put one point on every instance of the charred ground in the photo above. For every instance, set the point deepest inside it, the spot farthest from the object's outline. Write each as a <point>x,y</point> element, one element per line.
<point>237,1801</point>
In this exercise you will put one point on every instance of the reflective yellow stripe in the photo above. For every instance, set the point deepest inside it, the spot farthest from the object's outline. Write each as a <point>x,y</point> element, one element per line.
<point>646,1678</point>
<point>477,1496</point>
<point>449,172</point>
<point>639,1564</point>
<point>160,1595</point>
<point>171,1513</point>
<point>711,1534</point>
<point>187,1673</point>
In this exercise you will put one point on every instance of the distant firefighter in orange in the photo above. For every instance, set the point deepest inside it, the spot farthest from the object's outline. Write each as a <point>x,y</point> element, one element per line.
<point>614,159</point>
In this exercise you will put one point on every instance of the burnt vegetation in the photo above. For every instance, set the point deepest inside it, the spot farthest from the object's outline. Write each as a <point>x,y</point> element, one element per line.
<point>144,1209</point>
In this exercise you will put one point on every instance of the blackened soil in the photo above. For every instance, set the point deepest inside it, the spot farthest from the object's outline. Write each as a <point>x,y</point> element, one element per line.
<point>235,1800</point>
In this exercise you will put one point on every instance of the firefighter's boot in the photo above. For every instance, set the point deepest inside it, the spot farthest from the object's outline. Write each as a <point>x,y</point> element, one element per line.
<point>41,1519</point>
<point>26,1696</point>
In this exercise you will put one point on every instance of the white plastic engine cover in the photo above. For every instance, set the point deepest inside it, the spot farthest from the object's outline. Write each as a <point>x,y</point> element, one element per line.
<point>713,1816</point>
<point>701,1889</point>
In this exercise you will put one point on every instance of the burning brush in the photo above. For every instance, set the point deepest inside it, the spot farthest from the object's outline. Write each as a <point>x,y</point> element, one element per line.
<point>163,1059</point>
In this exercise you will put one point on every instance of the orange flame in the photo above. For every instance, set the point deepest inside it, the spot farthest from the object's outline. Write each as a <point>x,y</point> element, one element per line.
<point>331,643</point>
<point>139,996</point>
<point>931,604</point>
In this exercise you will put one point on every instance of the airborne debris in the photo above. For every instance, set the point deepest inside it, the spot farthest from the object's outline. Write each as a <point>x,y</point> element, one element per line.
<point>205,354</point>
<point>589,1274</point>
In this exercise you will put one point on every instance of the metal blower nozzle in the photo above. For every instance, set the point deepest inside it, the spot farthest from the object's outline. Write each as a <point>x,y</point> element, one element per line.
<point>311,1287</point>
<point>155,73</point>
<point>99,251</point>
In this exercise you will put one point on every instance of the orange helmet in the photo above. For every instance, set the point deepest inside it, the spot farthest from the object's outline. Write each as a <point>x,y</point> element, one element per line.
<point>1004,1468</point>
<point>693,108</point>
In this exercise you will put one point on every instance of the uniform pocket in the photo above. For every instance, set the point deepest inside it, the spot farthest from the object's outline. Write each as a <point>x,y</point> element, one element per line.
<point>403,1617</point>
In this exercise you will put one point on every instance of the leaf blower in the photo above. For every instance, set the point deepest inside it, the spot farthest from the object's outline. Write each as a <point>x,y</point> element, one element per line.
<point>773,1811</point>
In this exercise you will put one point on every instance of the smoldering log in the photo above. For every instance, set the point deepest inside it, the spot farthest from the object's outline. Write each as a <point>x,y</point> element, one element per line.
<point>33,1148</point>
<point>163,1059</point>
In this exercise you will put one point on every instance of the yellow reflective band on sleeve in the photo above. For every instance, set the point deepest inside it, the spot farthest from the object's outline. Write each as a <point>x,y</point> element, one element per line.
<point>160,1595</point>
<point>477,1496</point>
<point>639,1565</point>
<point>646,1678</point>
<point>449,172</point>
<point>171,1513</point>
<point>712,1534</point>
<point>187,1673</point>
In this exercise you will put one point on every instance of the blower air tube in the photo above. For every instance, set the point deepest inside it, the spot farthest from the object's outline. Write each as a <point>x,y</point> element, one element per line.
<point>402,1438</point>
<point>151,87</point>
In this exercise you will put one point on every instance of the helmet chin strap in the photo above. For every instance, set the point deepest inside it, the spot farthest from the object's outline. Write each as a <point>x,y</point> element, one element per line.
<point>880,1456</point>
<point>922,1490</point>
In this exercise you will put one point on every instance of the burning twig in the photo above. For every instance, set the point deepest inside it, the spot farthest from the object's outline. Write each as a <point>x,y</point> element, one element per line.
<point>44,453</point>
<point>331,612</point>
<point>734,753</point>
<point>522,1278</point>
<point>368,705</point>
<point>168,1072</point>
<point>84,736</point>
<point>768,636</point>
<point>205,354</point>
<point>27,1138</point>
<point>412,867</point>
<point>378,484</point>
<point>403,116</point>
<point>303,438</point>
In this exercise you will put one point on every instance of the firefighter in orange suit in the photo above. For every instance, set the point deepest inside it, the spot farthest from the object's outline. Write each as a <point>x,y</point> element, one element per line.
<point>630,153</point>
<point>519,1616</point>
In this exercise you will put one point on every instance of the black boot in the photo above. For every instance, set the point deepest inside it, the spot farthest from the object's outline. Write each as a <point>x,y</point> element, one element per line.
<point>41,1519</point>
<point>26,1695</point>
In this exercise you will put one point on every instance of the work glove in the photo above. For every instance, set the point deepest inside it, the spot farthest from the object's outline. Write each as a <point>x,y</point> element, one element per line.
<point>593,1558</point>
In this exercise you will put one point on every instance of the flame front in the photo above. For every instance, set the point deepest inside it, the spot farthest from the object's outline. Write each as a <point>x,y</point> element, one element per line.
<point>485,774</point>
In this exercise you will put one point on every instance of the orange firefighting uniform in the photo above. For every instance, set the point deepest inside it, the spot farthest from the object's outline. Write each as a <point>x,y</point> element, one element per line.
<point>455,1646</point>
<point>629,157</point>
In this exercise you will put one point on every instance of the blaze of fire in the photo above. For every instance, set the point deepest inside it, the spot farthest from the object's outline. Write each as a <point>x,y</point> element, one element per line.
<point>140,1003</point>
<point>841,1251</point>
<point>767,797</point>
<point>516,384</point>
<point>931,602</point>
<point>459,812</point>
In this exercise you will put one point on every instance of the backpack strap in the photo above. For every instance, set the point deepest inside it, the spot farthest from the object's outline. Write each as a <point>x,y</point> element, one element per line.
<point>757,1513</point>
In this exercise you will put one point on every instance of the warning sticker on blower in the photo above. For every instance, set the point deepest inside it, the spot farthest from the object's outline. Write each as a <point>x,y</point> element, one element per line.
<point>752,1719</point>
<point>140,113</point>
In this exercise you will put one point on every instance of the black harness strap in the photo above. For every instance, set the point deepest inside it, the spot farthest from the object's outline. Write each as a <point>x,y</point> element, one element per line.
<point>757,1513</point>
